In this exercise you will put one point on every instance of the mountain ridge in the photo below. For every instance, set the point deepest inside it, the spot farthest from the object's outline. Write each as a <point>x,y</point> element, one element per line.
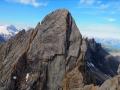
<point>54,56</point>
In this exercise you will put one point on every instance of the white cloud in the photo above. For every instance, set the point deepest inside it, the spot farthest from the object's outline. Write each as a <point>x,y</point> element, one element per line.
<point>99,4</point>
<point>100,31</point>
<point>104,6</point>
<point>94,4</point>
<point>34,3</point>
<point>87,2</point>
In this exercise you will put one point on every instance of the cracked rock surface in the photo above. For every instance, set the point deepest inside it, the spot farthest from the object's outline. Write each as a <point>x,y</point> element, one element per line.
<point>54,56</point>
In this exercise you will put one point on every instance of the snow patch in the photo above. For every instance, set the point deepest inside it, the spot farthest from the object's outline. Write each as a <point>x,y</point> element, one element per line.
<point>27,76</point>
<point>7,31</point>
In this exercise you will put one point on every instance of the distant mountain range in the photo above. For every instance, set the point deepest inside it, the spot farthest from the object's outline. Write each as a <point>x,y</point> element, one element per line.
<point>111,45</point>
<point>7,31</point>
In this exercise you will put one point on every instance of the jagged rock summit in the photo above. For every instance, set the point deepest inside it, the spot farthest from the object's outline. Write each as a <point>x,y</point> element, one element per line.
<point>54,56</point>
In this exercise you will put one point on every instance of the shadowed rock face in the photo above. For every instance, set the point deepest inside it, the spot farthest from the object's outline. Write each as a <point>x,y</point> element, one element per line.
<point>54,56</point>
<point>99,63</point>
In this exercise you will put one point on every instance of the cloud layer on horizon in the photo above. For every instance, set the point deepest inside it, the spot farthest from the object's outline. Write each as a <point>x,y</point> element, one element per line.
<point>100,31</point>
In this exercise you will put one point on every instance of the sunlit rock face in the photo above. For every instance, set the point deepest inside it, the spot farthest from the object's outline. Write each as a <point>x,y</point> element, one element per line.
<point>54,56</point>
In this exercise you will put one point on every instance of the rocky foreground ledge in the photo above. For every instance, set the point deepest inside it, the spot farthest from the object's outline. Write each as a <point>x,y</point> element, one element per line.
<point>54,56</point>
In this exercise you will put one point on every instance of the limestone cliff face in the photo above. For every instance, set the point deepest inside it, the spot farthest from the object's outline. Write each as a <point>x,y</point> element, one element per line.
<point>54,56</point>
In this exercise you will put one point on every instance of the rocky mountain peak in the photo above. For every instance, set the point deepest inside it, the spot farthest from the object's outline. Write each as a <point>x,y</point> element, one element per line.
<point>60,13</point>
<point>54,56</point>
<point>56,32</point>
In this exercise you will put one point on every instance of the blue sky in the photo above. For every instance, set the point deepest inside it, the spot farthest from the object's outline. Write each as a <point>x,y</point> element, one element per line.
<point>99,18</point>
